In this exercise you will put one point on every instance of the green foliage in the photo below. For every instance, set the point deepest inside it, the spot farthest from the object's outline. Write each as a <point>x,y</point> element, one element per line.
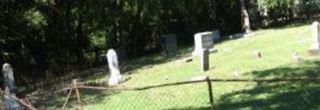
<point>275,4</point>
<point>303,6</point>
<point>40,36</point>
<point>310,6</point>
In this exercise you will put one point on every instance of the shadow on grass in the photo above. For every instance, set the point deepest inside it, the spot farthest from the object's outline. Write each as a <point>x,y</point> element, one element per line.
<point>300,95</point>
<point>190,108</point>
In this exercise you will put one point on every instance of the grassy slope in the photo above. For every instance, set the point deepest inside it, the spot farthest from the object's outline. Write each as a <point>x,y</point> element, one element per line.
<point>277,47</point>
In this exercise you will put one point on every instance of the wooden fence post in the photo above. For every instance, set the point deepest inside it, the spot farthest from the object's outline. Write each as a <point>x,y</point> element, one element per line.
<point>210,92</point>
<point>75,84</point>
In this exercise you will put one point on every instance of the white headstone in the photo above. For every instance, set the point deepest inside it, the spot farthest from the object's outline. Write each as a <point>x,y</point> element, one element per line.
<point>8,77</point>
<point>115,76</point>
<point>315,36</point>
<point>9,84</point>
<point>202,41</point>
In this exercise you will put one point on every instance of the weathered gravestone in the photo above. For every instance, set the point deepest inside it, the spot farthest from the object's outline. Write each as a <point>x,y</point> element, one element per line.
<point>216,35</point>
<point>202,41</point>
<point>113,64</point>
<point>170,44</point>
<point>315,46</point>
<point>9,84</point>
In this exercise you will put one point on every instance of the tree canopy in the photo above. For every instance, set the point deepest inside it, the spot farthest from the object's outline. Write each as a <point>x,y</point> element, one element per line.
<point>46,37</point>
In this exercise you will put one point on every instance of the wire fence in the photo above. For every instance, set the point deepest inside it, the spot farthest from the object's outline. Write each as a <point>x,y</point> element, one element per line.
<point>185,95</point>
<point>162,97</point>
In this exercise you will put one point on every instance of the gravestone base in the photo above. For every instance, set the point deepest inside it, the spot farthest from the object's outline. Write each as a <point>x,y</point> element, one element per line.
<point>113,64</point>
<point>199,78</point>
<point>186,60</point>
<point>213,50</point>
<point>314,52</point>
<point>115,80</point>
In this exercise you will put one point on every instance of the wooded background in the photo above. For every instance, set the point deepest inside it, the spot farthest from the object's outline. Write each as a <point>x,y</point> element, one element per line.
<point>46,38</point>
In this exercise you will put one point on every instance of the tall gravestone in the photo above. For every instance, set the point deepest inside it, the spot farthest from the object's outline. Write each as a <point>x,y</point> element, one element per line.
<point>113,64</point>
<point>9,84</point>
<point>170,44</point>
<point>315,36</point>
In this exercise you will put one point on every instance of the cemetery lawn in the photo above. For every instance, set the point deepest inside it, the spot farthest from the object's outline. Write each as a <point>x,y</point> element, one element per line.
<point>277,46</point>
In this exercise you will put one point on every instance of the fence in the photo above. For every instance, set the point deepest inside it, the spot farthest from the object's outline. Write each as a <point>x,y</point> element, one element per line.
<point>158,97</point>
<point>170,96</point>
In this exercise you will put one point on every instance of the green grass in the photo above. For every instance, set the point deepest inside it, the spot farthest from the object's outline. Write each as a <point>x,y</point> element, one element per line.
<point>276,46</point>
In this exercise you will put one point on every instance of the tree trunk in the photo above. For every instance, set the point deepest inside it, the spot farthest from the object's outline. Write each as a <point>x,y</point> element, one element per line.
<point>245,17</point>
<point>295,8</point>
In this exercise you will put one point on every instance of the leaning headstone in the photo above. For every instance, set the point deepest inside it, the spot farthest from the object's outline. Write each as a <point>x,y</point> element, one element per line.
<point>9,85</point>
<point>202,41</point>
<point>113,64</point>
<point>315,46</point>
<point>170,44</point>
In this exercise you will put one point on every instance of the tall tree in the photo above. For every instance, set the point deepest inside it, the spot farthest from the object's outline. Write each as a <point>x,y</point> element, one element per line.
<point>245,17</point>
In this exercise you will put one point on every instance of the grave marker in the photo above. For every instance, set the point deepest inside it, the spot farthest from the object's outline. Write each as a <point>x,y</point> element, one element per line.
<point>315,36</point>
<point>10,87</point>
<point>202,41</point>
<point>170,44</point>
<point>216,35</point>
<point>113,64</point>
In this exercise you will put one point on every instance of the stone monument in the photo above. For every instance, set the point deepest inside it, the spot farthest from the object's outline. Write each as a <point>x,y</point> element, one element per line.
<point>202,41</point>
<point>203,46</point>
<point>170,44</point>
<point>315,46</point>
<point>113,64</point>
<point>216,35</point>
<point>10,87</point>
<point>315,36</point>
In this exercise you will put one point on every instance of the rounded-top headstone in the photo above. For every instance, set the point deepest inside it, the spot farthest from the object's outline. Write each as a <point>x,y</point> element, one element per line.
<point>8,76</point>
<point>9,84</point>
<point>315,23</point>
<point>113,64</point>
